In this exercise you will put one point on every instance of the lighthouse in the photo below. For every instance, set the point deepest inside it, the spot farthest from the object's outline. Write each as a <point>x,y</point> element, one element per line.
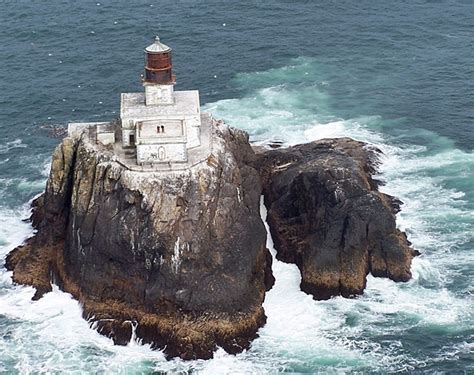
<point>158,79</point>
<point>161,124</point>
<point>159,129</point>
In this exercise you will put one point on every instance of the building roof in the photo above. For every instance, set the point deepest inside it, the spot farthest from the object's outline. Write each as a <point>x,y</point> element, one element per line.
<point>157,46</point>
<point>133,105</point>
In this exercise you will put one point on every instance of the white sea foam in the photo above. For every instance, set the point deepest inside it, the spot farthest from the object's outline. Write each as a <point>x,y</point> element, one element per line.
<point>421,180</point>
<point>298,328</point>
<point>301,335</point>
<point>49,335</point>
<point>342,128</point>
<point>12,230</point>
<point>17,143</point>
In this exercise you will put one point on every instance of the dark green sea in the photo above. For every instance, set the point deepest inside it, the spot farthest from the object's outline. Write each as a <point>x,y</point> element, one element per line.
<point>397,74</point>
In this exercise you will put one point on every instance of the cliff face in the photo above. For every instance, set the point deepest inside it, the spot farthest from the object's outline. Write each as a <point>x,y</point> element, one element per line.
<point>179,258</point>
<point>327,216</point>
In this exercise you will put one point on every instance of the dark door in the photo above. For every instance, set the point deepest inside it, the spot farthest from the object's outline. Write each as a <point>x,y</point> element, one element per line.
<point>132,139</point>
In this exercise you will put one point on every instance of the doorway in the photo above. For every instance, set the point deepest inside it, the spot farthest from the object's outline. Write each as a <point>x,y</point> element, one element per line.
<point>161,153</point>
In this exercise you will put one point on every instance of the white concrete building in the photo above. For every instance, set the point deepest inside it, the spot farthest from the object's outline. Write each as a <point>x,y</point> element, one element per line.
<point>159,129</point>
<point>160,123</point>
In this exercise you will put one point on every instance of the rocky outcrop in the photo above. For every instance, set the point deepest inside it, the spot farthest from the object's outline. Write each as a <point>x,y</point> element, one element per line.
<point>179,260</point>
<point>327,216</point>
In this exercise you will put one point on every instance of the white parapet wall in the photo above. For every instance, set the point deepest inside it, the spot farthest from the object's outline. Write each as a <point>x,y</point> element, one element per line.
<point>106,138</point>
<point>105,134</point>
<point>76,129</point>
<point>162,153</point>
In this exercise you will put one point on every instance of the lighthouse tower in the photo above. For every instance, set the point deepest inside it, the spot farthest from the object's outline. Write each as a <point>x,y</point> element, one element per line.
<point>159,78</point>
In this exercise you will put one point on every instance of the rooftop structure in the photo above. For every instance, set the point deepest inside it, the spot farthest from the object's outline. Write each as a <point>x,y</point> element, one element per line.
<point>157,47</point>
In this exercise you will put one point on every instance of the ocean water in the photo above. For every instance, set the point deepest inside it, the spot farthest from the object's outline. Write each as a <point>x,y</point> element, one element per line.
<point>396,74</point>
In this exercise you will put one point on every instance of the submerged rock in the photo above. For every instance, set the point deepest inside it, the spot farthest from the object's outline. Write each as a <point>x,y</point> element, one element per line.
<point>327,216</point>
<point>179,259</point>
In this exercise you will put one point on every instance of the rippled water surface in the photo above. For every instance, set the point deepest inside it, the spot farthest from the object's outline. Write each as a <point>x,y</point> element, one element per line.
<point>396,74</point>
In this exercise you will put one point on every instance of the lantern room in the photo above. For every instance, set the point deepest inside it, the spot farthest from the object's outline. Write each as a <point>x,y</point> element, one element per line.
<point>158,66</point>
<point>159,78</point>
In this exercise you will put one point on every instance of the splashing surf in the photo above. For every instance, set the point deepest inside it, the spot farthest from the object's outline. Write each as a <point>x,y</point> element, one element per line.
<point>383,330</point>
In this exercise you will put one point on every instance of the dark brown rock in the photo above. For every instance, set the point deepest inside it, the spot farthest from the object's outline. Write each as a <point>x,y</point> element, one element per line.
<point>181,259</point>
<point>327,216</point>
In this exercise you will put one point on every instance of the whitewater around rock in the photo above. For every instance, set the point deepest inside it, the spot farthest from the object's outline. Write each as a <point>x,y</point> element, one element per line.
<point>179,260</point>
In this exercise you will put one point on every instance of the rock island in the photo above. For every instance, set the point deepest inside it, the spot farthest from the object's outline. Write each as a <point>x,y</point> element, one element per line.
<point>152,222</point>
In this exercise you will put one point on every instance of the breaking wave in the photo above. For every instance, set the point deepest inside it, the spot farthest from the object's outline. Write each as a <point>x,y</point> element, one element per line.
<point>385,329</point>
